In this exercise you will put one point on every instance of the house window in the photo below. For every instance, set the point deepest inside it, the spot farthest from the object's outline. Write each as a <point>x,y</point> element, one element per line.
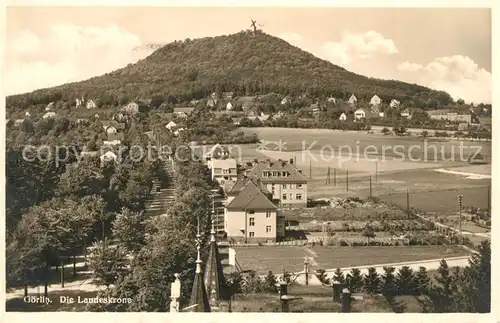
<point>268,228</point>
<point>298,196</point>
<point>284,186</point>
<point>291,196</point>
<point>299,185</point>
<point>283,174</point>
<point>284,196</point>
<point>265,174</point>
<point>268,214</point>
<point>251,234</point>
<point>251,222</point>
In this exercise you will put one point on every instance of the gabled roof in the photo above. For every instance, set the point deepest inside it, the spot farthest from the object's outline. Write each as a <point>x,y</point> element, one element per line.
<point>251,197</point>
<point>293,177</point>
<point>218,151</point>
<point>170,125</point>
<point>242,181</point>
<point>116,124</point>
<point>199,297</point>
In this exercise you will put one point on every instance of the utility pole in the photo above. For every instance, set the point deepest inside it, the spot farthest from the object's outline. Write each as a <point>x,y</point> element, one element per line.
<point>335,177</point>
<point>347,180</point>
<point>370,186</point>
<point>310,169</point>
<point>408,202</point>
<point>376,171</point>
<point>328,176</point>
<point>460,202</point>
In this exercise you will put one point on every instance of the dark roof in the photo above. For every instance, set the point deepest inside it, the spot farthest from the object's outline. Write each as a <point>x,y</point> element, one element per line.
<point>251,197</point>
<point>293,173</point>
<point>242,181</point>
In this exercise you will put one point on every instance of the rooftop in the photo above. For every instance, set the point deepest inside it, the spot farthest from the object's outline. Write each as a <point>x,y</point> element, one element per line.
<point>251,197</point>
<point>224,163</point>
<point>293,174</point>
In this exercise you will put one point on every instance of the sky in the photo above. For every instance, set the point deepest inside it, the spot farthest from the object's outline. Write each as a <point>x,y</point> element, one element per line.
<point>442,48</point>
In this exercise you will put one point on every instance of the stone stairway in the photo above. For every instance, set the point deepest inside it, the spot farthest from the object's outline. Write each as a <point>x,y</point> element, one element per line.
<point>162,193</point>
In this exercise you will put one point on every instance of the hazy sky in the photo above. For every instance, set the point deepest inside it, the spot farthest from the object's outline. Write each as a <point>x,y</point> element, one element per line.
<point>447,49</point>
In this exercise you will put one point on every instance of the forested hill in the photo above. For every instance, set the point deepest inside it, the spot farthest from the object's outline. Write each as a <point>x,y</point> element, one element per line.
<point>243,63</point>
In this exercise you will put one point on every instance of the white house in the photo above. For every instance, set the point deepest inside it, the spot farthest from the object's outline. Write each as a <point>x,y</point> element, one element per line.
<point>229,106</point>
<point>50,115</point>
<point>375,100</point>
<point>91,104</point>
<point>78,102</point>
<point>171,125</point>
<point>381,114</point>
<point>394,103</point>
<point>27,114</point>
<point>49,106</point>
<point>285,100</point>
<point>343,117</point>
<point>406,113</point>
<point>360,114</point>
<point>353,100</point>
<point>178,131</point>
<point>331,99</point>
<point>224,170</point>
<point>131,107</point>
<point>110,129</point>
<point>108,156</point>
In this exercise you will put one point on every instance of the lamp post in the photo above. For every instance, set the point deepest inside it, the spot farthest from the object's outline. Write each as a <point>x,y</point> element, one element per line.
<point>460,203</point>
<point>306,269</point>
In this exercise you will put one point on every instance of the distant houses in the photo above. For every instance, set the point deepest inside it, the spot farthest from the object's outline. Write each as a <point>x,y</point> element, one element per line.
<point>183,112</point>
<point>353,100</point>
<point>49,115</point>
<point>450,116</point>
<point>91,104</point>
<point>343,117</point>
<point>375,100</point>
<point>394,104</point>
<point>171,125</point>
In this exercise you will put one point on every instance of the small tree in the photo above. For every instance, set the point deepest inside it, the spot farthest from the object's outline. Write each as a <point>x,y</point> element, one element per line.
<point>388,282</point>
<point>372,281</point>
<point>442,293</point>
<point>385,131</point>
<point>355,281</point>
<point>405,281</point>
<point>108,263</point>
<point>368,232</point>
<point>321,274</point>
<point>269,283</point>
<point>338,275</point>
<point>422,281</point>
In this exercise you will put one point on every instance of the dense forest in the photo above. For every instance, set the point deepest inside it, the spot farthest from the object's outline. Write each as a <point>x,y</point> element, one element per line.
<point>244,63</point>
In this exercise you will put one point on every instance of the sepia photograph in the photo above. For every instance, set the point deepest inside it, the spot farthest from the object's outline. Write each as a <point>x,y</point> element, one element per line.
<point>247,159</point>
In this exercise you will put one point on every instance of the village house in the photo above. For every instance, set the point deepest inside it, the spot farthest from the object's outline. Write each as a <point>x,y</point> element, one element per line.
<point>108,156</point>
<point>263,117</point>
<point>18,122</point>
<point>236,121</point>
<point>178,131</point>
<point>224,170</point>
<point>228,95</point>
<point>113,126</point>
<point>375,100</point>
<point>406,113</point>
<point>171,125</point>
<point>131,107</point>
<point>194,102</point>
<point>78,102</point>
<point>218,151</point>
<point>49,106</point>
<point>353,100</point>
<point>211,103</point>
<point>283,180</point>
<point>113,139</point>
<point>343,117</point>
<point>27,114</point>
<point>250,215</point>
<point>331,100</point>
<point>360,114</point>
<point>49,115</point>
<point>450,116</point>
<point>285,100</point>
<point>394,103</point>
<point>91,104</point>
<point>229,106</point>
<point>183,112</point>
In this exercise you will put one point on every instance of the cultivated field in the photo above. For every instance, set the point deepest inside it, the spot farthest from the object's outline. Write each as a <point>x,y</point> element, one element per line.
<point>291,258</point>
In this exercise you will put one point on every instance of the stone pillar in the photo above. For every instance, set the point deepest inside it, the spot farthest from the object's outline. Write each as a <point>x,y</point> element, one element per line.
<point>337,289</point>
<point>284,298</point>
<point>346,301</point>
<point>175,294</point>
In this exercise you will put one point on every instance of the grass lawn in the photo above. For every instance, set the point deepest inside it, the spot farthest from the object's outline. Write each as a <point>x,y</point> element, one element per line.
<point>291,258</point>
